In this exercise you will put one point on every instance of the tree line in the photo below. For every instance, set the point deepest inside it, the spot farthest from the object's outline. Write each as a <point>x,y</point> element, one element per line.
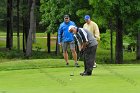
<point>26,15</point>
<point>118,16</point>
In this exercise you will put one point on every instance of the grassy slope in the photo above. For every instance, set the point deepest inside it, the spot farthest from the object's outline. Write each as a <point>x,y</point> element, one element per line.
<point>51,76</point>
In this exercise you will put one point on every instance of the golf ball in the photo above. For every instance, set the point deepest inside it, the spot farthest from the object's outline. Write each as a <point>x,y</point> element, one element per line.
<point>70,79</point>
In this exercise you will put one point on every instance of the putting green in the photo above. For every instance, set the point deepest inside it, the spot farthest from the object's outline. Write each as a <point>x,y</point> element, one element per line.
<point>105,79</point>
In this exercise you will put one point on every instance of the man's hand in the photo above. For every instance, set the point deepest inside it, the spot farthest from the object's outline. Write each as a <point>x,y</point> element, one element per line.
<point>84,45</point>
<point>60,44</point>
<point>81,53</point>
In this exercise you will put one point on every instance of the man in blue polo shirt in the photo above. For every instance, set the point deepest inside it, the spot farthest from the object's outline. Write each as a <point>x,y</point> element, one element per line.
<point>65,38</point>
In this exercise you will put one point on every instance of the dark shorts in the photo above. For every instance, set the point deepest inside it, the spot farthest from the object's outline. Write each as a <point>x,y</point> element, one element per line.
<point>65,45</point>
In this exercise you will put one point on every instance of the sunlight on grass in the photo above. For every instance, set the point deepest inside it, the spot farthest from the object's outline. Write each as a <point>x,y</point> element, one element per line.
<point>52,76</point>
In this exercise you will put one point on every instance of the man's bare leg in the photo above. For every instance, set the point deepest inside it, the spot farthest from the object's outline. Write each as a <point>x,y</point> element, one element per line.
<point>74,54</point>
<point>65,54</point>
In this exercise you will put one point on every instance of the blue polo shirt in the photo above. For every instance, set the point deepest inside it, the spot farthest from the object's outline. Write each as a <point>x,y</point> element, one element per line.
<point>63,34</point>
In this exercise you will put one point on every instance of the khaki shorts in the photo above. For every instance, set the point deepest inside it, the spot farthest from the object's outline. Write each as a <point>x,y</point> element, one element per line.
<point>66,44</point>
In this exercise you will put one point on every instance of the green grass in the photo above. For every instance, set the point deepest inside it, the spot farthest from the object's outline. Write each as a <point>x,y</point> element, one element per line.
<point>51,76</point>
<point>41,41</point>
<point>2,32</point>
<point>2,38</point>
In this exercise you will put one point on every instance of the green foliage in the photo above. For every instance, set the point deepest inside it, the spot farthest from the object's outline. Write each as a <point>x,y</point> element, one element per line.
<point>101,11</point>
<point>128,39</point>
<point>3,12</point>
<point>102,56</point>
<point>10,54</point>
<point>110,9</point>
<point>81,13</point>
<point>38,48</point>
<point>2,55</point>
<point>54,10</point>
<point>3,8</point>
<point>105,40</point>
<point>50,11</point>
<point>14,54</point>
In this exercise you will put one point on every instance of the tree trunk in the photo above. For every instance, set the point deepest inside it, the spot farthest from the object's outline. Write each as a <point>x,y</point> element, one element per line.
<point>9,37</point>
<point>34,26</point>
<point>119,41</point>
<point>23,36</point>
<point>26,17</point>
<point>138,47</point>
<point>25,31</point>
<point>111,40</point>
<point>49,42</point>
<point>18,36</point>
<point>34,31</point>
<point>29,39</point>
<point>57,51</point>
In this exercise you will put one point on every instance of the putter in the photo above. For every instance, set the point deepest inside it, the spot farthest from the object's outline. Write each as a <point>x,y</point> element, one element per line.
<point>80,55</point>
<point>72,73</point>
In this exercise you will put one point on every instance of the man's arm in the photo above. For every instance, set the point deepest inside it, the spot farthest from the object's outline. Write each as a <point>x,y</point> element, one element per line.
<point>78,42</point>
<point>84,45</point>
<point>97,32</point>
<point>84,39</point>
<point>60,34</point>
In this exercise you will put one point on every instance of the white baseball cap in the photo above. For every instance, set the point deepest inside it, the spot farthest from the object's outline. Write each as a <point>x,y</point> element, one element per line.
<point>71,26</point>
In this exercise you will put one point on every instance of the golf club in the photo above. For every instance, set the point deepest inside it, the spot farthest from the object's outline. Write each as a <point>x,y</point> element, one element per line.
<point>80,54</point>
<point>72,73</point>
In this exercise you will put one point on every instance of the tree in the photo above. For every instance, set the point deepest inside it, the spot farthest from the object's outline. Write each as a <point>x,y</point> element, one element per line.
<point>29,39</point>
<point>137,24</point>
<point>122,13</point>
<point>18,36</point>
<point>49,42</point>
<point>9,38</point>
<point>108,10</point>
<point>34,24</point>
<point>119,11</point>
<point>138,46</point>
<point>3,13</point>
<point>26,22</point>
<point>53,11</point>
<point>119,39</point>
<point>111,40</point>
<point>52,14</point>
<point>132,23</point>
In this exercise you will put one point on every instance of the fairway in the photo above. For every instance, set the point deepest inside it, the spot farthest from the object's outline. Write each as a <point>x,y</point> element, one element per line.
<point>42,76</point>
